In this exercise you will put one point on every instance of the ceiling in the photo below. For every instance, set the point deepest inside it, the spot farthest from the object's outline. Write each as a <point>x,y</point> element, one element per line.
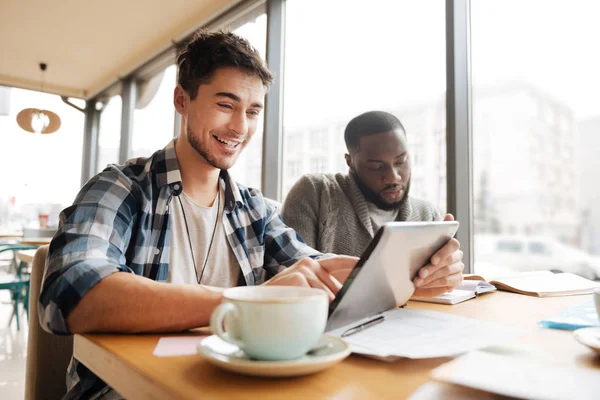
<point>89,45</point>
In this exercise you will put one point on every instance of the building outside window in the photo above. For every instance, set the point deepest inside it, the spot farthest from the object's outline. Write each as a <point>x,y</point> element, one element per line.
<point>536,130</point>
<point>399,67</point>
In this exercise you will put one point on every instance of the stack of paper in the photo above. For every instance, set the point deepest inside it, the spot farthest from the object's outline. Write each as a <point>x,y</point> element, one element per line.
<point>415,333</point>
<point>518,377</point>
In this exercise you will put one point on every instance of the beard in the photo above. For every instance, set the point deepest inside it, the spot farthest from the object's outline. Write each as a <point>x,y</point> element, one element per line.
<point>211,159</point>
<point>375,198</point>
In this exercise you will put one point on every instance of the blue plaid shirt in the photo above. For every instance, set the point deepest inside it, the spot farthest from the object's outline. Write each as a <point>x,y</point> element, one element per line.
<point>120,222</point>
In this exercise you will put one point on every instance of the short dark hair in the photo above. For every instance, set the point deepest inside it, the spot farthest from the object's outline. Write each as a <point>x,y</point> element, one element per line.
<point>369,123</point>
<point>208,51</point>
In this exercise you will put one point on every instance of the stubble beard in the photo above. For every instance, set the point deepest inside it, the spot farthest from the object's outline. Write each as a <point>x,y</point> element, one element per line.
<point>376,199</point>
<point>197,146</point>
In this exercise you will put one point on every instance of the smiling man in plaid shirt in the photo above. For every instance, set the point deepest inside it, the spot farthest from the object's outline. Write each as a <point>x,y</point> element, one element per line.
<point>149,245</point>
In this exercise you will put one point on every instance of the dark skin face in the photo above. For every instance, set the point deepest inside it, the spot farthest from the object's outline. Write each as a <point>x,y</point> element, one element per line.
<point>382,166</point>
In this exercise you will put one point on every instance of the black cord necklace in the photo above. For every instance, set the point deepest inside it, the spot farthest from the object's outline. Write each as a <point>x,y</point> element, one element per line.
<point>199,279</point>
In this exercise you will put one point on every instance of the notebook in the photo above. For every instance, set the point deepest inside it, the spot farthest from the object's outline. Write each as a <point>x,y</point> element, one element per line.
<point>468,289</point>
<point>542,283</point>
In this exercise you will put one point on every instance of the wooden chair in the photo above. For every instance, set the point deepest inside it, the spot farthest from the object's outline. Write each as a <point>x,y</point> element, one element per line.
<point>48,355</point>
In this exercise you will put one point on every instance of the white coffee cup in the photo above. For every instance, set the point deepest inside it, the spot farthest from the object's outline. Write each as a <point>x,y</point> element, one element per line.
<point>597,301</point>
<point>271,322</point>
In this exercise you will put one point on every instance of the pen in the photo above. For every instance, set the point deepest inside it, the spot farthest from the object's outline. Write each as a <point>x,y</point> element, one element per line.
<point>363,326</point>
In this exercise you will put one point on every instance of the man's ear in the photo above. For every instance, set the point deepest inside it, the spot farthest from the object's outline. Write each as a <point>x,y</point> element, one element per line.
<point>180,100</point>
<point>349,161</point>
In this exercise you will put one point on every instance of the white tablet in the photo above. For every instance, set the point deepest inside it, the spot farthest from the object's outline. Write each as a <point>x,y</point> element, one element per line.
<point>382,278</point>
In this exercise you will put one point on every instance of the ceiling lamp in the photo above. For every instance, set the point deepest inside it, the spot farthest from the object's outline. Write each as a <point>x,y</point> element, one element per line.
<point>35,120</point>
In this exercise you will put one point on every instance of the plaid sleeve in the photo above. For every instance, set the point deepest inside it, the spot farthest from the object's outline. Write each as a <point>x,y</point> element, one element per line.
<point>89,246</point>
<point>283,246</point>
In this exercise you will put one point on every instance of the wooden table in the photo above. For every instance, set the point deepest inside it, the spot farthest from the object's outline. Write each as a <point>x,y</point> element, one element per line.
<point>9,235</point>
<point>26,255</point>
<point>126,362</point>
<point>36,241</point>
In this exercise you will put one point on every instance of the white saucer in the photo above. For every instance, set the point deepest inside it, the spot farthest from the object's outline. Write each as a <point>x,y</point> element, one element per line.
<point>230,357</point>
<point>589,337</point>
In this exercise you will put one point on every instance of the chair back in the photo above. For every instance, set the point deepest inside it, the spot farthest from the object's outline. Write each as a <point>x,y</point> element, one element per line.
<point>48,355</point>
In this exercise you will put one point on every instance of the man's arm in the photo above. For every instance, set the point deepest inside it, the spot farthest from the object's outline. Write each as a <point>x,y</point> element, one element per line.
<point>87,284</point>
<point>124,302</point>
<point>301,210</point>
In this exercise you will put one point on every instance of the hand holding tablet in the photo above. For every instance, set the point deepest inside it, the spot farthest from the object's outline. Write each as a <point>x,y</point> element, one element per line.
<point>383,277</point>
<point>444,272</point>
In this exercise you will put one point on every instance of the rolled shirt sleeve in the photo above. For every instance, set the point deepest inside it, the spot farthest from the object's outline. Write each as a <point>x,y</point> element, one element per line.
<point>90,245</point>
<point>283,246</point>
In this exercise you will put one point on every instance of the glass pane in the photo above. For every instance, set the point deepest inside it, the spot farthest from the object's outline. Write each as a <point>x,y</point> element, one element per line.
<point>109,136</point>
<point>248,168</point>
<point>153,121</point>
<point>382,55</point>
<point>536,127</point>
<point>41,174</point>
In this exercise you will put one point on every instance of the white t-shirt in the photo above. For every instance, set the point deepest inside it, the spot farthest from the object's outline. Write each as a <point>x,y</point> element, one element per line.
<point>379,217</point>
<point>222,268</point>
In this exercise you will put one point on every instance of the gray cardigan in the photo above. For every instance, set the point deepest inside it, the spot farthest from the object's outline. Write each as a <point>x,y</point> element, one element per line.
<point>331,214</point>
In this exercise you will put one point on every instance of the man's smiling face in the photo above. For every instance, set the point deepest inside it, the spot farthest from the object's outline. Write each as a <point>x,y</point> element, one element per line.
<point>223,117</point>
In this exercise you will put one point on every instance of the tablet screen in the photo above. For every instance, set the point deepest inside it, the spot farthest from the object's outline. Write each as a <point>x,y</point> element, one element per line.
<point>382,278</point>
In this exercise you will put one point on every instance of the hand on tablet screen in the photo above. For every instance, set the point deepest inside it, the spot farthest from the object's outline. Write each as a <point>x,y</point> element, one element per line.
<point>444,272</point>
<point>327,274</point>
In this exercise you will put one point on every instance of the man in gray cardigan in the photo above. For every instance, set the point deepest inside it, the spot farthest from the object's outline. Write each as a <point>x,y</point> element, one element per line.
<point>341,213</point>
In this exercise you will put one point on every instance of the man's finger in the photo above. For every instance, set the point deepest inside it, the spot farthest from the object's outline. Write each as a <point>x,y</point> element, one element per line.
<point>449,217</point>
<point>454,257</point>
<point>295,278</point>
<point>314,282</point>
<point>451,280</point>
<point>450,247</point>
<point>426,272</point>
<point>325,277</point>
<point>336,263</point>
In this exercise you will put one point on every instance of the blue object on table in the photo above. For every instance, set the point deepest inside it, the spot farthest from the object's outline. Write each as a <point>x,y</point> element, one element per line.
<point>580,316</point>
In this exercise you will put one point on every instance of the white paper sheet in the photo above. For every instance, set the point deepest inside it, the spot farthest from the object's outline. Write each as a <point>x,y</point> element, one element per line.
<point>520,377</point>
<point>177,346</point>
<point>415,333</point>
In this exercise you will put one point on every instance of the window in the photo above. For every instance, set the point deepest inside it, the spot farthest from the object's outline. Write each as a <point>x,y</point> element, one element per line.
<point>41,174</point>
<point>537,248</point>
<point>109,136</point>
<point>318,139</point>
<point>294,141</point>
<point>294,168</point>
<point>395,62</point>
<point>248,168</point>
<point>509,246</point>
<point>154,116</point>
<point>318,164</point>
<point>535,127</point>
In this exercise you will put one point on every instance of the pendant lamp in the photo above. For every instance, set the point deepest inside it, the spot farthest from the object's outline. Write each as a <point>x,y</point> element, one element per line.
<point>35,120</point>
